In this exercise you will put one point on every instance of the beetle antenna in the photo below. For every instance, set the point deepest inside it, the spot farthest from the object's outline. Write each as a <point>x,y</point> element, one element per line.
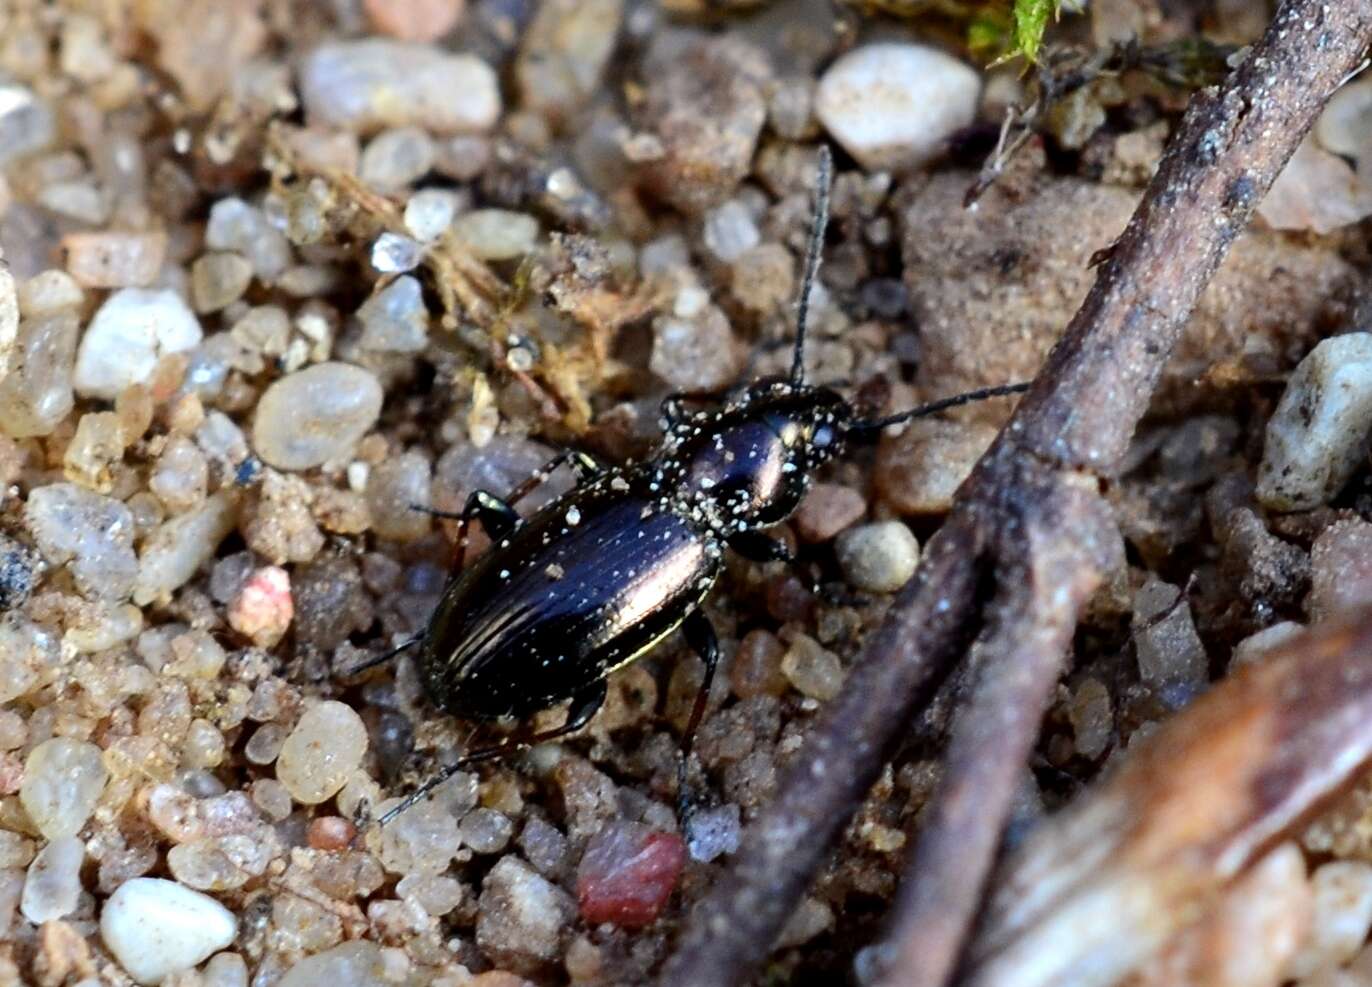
<point>812,257</point>
<point>384,657</point>
<point>933,407</point>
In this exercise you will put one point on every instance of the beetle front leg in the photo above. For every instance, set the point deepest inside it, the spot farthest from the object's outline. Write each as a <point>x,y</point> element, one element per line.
<point>496,516</point>
<point>583,464</point>
<point>700,635</point>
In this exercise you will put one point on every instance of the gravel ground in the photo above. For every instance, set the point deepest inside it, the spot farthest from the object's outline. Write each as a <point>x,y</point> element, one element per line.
<point>279,270</point>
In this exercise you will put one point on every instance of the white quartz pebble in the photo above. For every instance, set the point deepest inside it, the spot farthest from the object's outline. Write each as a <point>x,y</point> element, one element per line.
<point>156,928</point>
<point>316,414</point>
<point>326,746</point>
<point>63,779</point>
<point>52,885</point>
<point>1318,434</point>
<point>894,105</point>
<point>129,334</point>
<point>367,85</point>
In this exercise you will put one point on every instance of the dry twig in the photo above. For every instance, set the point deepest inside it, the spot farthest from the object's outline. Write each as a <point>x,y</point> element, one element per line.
<point>1098,889</point>
<point>1036,481</point>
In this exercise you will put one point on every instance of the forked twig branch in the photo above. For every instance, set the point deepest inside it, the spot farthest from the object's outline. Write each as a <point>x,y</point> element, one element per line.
<point>1072,427</point>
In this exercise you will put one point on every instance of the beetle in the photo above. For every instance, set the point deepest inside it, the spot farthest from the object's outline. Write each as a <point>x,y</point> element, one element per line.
<point>602,574</point>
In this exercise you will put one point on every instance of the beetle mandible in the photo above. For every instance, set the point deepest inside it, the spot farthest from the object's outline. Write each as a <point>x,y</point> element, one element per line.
<point>601,575</point>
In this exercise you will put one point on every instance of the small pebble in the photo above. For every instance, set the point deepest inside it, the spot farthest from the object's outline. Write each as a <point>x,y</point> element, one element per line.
<point>349,964</point>
<point>1341,569</point>
<point>706,103</point>
<point>330,833</point>
<point>1343,917</point>
<point>485,830</point>
<point>393,488</point>
<point>218,280</point>
<point>894,106</point>
<point>1170,653</point>
<point>395,158</point>
<point>395,254</point>
<point>627,874</point>
<point>878,558</point>
<point>521,916</point>
<point>429,213</point>
<point>919,470</point>
<point>436,894</point>
<point>262,608</point>
<point>181,475</point>
<point>564,53</point>
<point>315,415</point>
<point>756,668</point>
<point>26,122</point>
<point>115,260</point>
<point>36,391</point>
<point>1317,437</point>
<point>323,750</point>
<point>91,533</point>
<point>97,447</point>
<point>365,86</point>
<point>423,839</point>
<point>128,335</point>
<point>1093,721</point>
<point>173,553</point>
<point>394,320</point>
<point>62,781</point>
<point>1316,191</point>
<point>1345,123</point>
<point>695,354</point>
<point>1255,647</point>
<point>48,293</point>
<point>827,509</point>
<point>812,670</point>
<point>729,231</point>
<point>544,846</point>
<point>226,970</point>
<point>237,226</point>
<point>414,20</point>
<point>713,832</point>
<point>52,886</point>
<point>156,928</point>
<point>497,234</point>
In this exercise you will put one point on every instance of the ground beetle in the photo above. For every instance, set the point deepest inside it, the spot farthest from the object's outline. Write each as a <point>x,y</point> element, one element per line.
<point>605,572</point>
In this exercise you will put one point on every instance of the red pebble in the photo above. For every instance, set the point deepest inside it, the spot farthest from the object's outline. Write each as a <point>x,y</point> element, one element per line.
<point>628,873</point>
<point>330,833</point>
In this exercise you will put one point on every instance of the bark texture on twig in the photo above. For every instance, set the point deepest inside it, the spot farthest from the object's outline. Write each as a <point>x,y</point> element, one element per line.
<point>1105,883</point>
<point>1044,580</point>
<point>1078,417</point>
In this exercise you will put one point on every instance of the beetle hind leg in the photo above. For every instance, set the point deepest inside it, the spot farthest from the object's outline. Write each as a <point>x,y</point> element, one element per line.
<point>700,635</point>
<point>585,705</point>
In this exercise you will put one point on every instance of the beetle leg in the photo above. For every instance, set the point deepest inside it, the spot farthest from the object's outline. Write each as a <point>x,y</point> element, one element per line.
<point>583,464</point>
<point>495,515</point>
<point>757,547</point>
<point>585,705</point>
<point>700,635</point>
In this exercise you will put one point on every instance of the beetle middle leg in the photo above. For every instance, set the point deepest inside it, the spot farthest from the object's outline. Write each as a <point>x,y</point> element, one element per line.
<point>585,705</point>
<point>700,635</point>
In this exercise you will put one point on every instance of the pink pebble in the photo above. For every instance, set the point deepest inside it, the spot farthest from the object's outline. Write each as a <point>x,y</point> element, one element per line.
<point>414,20</point>
<point>627,874</point>
<point>263,608</point>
